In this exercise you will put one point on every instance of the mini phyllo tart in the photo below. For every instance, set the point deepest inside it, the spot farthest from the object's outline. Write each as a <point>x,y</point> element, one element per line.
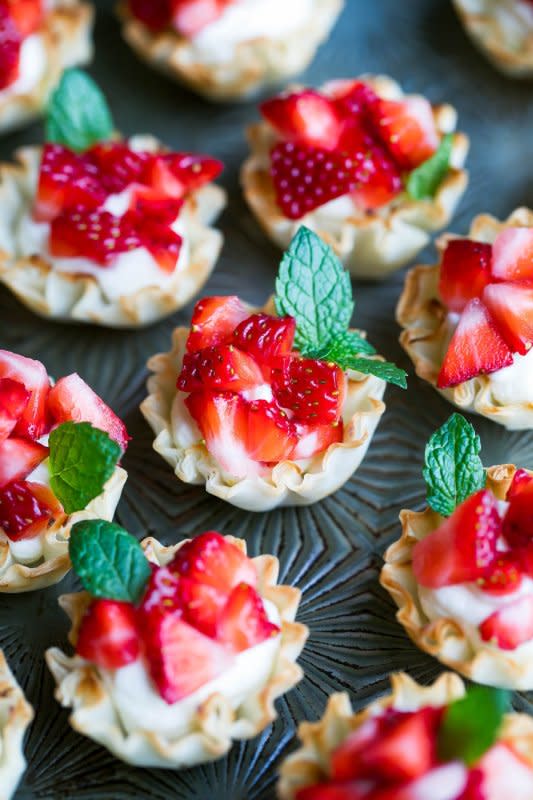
<point>371,170</point>
<point>468,321</point>
<point>228,49</point>
<point>59,450</point>
<point>275,406</point>
<point>503,30</point>
<point>182,654</point>
<point>462,571</point>
<point>101,229</point>
<point>15,716</point>
<point>38,40</point>
<point>440,742</point>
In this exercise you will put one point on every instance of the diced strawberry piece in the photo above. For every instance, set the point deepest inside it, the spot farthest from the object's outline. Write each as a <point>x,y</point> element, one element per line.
<point>96,235</point>
<point>312,390</point>
<point>19,457</point>
<point>511,307</point>
<point>244,621</point>
<point>159,239</point>
<point>505,774</point>
<point>66,180</point>
<point>463,547</point>
<point>162,594</point>
<point>72,399</point>
<point>213,321</point>
<point>407,128</point>
<point>521,479</point>
<point>505,575</point>
<point>352,790</point>
<point>189,17</point>
<point>306,117</point>
<point>212,560</point>
<point>518,521</point>
<point>14,398</point>
<point>271,436</point>
<point>314,439</point>
<point>446,782</point>
<point>108,634</point>
<point>353,98</point>
<point>202,605</point>
<point>155,14</point>
<point>223,368</point>
<point>33,376</point>
<point>119,166</point>
<point>476,348</point>
<point>10,44</point>
<point>265,337</point>
<point>26,509</point>
<point>27,14</point>
<point>180,658</point>
<point>511,626</point>
<point>176,174</point>
<point>474,787</point>
<point>150,204</point>
<point>512,258</point>
<point>464,272</point>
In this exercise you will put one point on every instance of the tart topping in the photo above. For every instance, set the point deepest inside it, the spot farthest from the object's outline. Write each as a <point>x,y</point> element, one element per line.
<point>108,634</point>
<point>27,509</point>
<point>187,17</point>
<point>18,19</point>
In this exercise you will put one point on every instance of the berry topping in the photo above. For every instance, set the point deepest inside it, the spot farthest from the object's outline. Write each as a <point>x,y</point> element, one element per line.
<point>175,174</point>
<point>222,368</point>
<point>189,17</point>
<point>518,521</point>
<point>96,235</point>
<point>513,255</point>
<point>464,272</point>
<point>312,390</point>
<point>26,14</point>
<point>511,307</point>
<point>306,117</point>
<point>10,43</point>
<point>108,634</point>
<point>510,626</point>
<point>155,14</point>
<point>270,435</point>
<point>66,180</point>
<point>244,622</point>
<point>158,238</point>
<point>33,376</point>
<point>213,321</point>
<point>265,337</point>
<point>14,398</point>
<point>407,128</point>
<point>315,439</point>
<point>211,559</point>
<point>26,509</point>
<point>118,165</point>
<point>202,605</point>
<point>19,457</point>
<point>222,420</point>
<point>505,575</point>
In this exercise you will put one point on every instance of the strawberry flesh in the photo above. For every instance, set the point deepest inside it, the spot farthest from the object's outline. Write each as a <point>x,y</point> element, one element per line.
<point>213,321</point>
<point>518,521</point>
<point>314,439</point>
<point>464,272</point>
<point>26,509</point>
<point>312,390</point>
<point>265,337</point>
<point>222,368</point>
<point>108,634</point>
<point>306,117</point>
<point>26,14</point>
<point>202,605</point>
<point>189,17</point>
<point>511,307</point>
<point>175,174</point>
<point>155,14</point>
<point>66,180</point>
<point>14,398</point>
<point>407,129</point>
<point>513,255</point>
<point>510,626</point>
<point>505,575</point>
<point>10,44</point>
<point>33,421</point>
<point>19,457</point>
<point>212,560</point>
<point>158,238</point>
<point>119,166</point>
<point>270,437</point>
<point>96,235</point>
<point>244,622</point>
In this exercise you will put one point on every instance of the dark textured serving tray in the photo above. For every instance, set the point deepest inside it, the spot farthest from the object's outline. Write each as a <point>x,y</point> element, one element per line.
<point>332,550</point>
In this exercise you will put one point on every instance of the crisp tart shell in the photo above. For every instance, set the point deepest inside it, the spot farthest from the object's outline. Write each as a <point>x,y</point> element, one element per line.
<point>15,716</point>
<point>216,724</point>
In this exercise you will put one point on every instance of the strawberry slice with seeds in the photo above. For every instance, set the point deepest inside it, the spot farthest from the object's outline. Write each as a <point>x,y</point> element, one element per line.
<point>213,560</point>
<point>189,17</point>
<point>476,348</point>
<point>265,337</point>
<point>176,174</point>
<point>96,235</point>
<point>312,390</point>
<point>271,436</point>
<point>244,621</point>
<point>155,14</point>
<point>407,128</point>
<point>27,509</point>
<point>32,375</point>
<point>223,368</point>
<point>202,605</point>
<point>518,521</point>
<point>149,204</point>
<point>66,180</point>
<point>521,479</point>
<point>27,14</point>
<point>10,44</point>
<point>505,575</point>
<point>464,272</point>
<point>463,547</point>
<point>19,457</point>
<point>313,439</point>
<point>162,594</point>
<point>513,255</point>
<point>159,239</point>
<point>510,626</point>
<point>213,321</point>
<point>108,634</point>
<point>306,117</point>
<point>119,166</point>
<point>14,398</point>
<point>353,98</point>
<point>511,307</point>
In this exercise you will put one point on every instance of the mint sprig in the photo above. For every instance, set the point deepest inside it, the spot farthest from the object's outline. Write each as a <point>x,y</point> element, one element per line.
<point>471,725</point>
<point>314,288</point>
<point>82,459</point>
<point>109,561</point>
<point>453,469</point>
<point>424,181</point>
<point>78,115</point>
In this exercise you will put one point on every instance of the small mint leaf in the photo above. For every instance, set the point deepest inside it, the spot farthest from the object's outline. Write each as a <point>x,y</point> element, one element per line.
<point>313,287</point>
<point>453,469</point>
<point>78,115</point>
<point>380,369</point>
<point>82,459</point>
<point>425,180</point>
<point>109,561</point>
<point>471,725</point>
<point>344,347</point>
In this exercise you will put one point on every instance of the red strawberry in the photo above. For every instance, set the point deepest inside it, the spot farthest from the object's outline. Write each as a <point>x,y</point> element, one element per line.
<point>407,128</point>
<point>518,521</point>
<point>511,626</point>
<point>72,399</point>
<point>306,117</point>
<point>108,634</point>
<point>505,575</point>
<point>66,180</point>
<point>119,166</point>
<point>155,14</point>
<point>162,594</point>
<point>445,782</point>
<point>521,479</point>
<point>14,398</point>
<point>312,390</point>
<point>191,16</point>
<point>19,457</point>
<point>176,174</point>
<point>352,790</point>
<point>513,255</point>
<point>463,547</point>
<point>159,239</point>
<point>353,98</point>
<point>27,14</point>
<point>464,272</point>
<point>33,376</point>
<point>506,773</point>
<point>202,605</point>
<point>265,337</point>
<point>211,559</point>
<point>96,235</point>
<point>511,307</point>
<point>223,368</point>
<point>476,348</point>
<point>222,419</point>
<point>213,321</point>
<point>180,658</point>
<point>474,787</point>
<point>152,205</point>
<point>244,621</point>
<point>26,509</point>
<point>314,439</point>
<point>10,44</point>
<point>270,435</point>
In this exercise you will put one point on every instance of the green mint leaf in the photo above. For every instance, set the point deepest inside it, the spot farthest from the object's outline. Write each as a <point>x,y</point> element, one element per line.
<point>82,459</point>
<point>109,561</point>
<point>313,287</point>
<point>471,725</point>
<point>78,115</point>
<point>343,348</point>
<point>453,469</point>
<point>381,369</point>
<point>425,180</point>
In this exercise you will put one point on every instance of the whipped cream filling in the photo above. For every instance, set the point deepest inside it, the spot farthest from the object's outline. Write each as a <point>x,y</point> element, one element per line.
<point>246,20</point>
<point>140,706</point>
<point>32,66</point>
<point>28,551</point>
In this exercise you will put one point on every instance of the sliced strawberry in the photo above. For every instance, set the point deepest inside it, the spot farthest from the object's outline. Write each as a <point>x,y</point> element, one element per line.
<point>19,457</point>
<point>189,17</point>
<point>244,621</point>
<point>33,376</point>
<point>162,594</point>
<point>66,180</point>
<point>521,479</point>
<point>512,258</point>
<point>159,239</point>
<point>150,204</point>
<point>270,436</point>
<point>352,790</point>
<point>223,368</point>
<point>155,14</point>
<point>314,439</point>
<point>14,398</point>
<point>505,774</point>
<point>511,307</point>
<point>463,547</point>
<point>176,174</point>
<point>202,605</point>
<point>27,14</point>
<point>10,44</point>
<point>306,117</point>
<point>353,98</point>
<point>213,321</point>
<point>511,626</point>
<point>464,272</point>
<point>505,575</point>
<point>108,634</point>
<point>518,521</point>
<point>119,166</point>
<point>96,235</point>
<point>312,390</point>
<point>407,128</point>
<point>180,658</point>
<point>474,787</point>
<point>72,399</point>
<point>265,337</point>
<point>211,559</point>
<point>27,509</point>
<point>476,348</point>
<point>445,782</point>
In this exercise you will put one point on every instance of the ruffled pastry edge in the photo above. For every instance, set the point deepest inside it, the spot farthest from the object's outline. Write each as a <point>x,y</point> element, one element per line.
<point>18,714</point>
